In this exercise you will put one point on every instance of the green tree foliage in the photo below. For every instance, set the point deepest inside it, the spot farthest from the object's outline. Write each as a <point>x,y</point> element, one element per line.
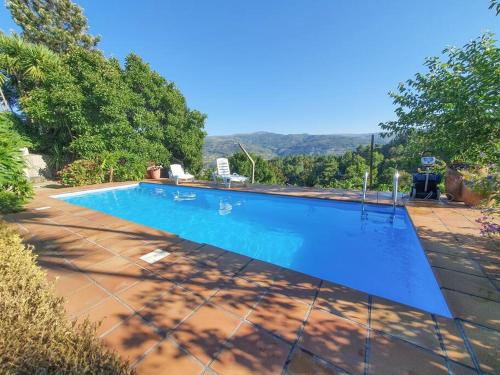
<point>81,105</point>
<point>15,188</point>
<point>296,169</point>
<point>331,171</point>
<point>495,5</point>
<point>453,109</point>
<point>325,171</point>
<point>57,24</point>
<point>352,167</point>
<point>264,171</point>
<point>76,104</point>
<point>23,65</point>
<point>159,111</point>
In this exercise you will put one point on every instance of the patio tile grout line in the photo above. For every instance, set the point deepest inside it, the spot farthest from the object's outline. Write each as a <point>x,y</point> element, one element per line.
<point>480,325</point>
<point>468,255</point>
<point>223,346</point>
<point>268,291</point>
<point>469,294</point>
<point>452,270</point>
<point>484,275</point>
<point>168,335</point>
<point>459,322</point>
<point>206,301</point>
<point>301,329</point>
<point>468,346</point>
<point>441,344</point>
<point>368,337</point>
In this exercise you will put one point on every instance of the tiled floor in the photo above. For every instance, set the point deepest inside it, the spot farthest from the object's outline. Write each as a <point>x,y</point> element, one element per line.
<point>207,310</point>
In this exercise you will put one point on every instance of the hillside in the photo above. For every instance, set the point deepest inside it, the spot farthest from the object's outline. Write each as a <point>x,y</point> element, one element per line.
<point>269,145</point>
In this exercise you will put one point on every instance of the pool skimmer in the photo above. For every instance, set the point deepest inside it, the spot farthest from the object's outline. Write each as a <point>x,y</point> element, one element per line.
<point>154,256</point>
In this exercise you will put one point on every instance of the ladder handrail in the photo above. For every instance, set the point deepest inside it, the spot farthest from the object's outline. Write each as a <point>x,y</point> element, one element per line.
<point>395,183</point>
<point>251,160</point>
<point>365,184</point>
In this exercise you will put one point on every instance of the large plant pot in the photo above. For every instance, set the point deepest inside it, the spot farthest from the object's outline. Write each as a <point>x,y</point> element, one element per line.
<point>470,197</point>
<point>456,188</point>
<point>454,184</point>
<point>154,173</point>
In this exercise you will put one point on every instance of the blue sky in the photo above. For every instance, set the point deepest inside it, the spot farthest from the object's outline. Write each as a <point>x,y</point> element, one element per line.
<point>322,66</point>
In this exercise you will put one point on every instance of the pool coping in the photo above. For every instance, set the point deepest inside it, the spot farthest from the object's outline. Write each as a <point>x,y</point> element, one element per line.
<point>331,194</point>
<point>91,191</point>
<point>463,320</point>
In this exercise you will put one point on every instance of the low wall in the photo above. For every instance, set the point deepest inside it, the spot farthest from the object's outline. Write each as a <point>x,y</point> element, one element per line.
<point>36,166</point>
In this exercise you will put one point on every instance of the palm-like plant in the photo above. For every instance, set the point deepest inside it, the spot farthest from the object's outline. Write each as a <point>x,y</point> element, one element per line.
<point>12,163</point>
<point>22,62</point>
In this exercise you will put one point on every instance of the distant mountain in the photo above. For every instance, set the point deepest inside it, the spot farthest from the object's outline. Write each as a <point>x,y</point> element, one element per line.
<point>269,145</point>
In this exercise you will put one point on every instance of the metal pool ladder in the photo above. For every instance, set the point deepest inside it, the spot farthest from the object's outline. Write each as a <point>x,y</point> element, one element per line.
<point>365,184</point>
<point>395,183</point>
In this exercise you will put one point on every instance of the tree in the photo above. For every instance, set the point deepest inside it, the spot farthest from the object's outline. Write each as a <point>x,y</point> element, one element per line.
<point>27,73</point>
<point>326,171</point>
<point>352,168</point>
<point>58,24</point>
<point>82,105</point>
<point>23,64</point>
<point>15,188</point>
<point>495,5</point>
<point>264,172</point>
<point>378,158</point>
<point>159,111</point>
<point>453,109</point>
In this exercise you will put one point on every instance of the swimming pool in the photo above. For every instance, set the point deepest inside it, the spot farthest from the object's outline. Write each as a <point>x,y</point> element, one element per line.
<point>378,253</point>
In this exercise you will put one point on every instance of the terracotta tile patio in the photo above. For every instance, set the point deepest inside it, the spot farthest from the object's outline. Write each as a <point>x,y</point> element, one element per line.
<point>207,310</point>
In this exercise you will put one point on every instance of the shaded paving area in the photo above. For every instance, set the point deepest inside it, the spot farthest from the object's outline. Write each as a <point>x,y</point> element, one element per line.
<point>206,310</point>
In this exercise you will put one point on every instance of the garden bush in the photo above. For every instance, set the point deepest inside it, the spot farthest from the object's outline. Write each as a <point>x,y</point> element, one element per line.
<point>36,337</point>
<point>123,166</point>
<point>109,166</point>
<point>9,202</point>
<point>82,172</point>
<point>15,187</point>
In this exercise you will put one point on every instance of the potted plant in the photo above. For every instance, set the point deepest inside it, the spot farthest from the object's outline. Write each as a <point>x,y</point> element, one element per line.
<point>154,171</point>
<point>472,185</point>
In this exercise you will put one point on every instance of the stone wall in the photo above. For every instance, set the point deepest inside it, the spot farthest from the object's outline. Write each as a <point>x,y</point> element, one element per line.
<point>36,166</point>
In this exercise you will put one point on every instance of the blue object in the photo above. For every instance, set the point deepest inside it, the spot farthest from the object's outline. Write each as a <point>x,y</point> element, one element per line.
<point>378,253</point>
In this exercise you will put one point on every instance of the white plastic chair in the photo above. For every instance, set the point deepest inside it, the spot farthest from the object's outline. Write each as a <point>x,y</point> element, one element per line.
<point>177,173</point>
<point>223,172</point>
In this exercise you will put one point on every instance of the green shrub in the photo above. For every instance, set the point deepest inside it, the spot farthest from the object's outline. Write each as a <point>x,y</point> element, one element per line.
<point>109,166</point>
<point>36,337</point>
<point>123,166</point>
<point>82,172</point>
<point>16,188</point>
<point>9,202</point>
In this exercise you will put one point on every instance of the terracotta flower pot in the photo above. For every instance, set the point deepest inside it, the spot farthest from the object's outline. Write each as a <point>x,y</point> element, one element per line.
<point>154,173</point>
<point>470,197</point>
<point>456,187</point>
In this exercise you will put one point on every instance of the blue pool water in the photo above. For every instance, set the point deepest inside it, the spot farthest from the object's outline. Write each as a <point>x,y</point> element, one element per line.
<point>379,254</point>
